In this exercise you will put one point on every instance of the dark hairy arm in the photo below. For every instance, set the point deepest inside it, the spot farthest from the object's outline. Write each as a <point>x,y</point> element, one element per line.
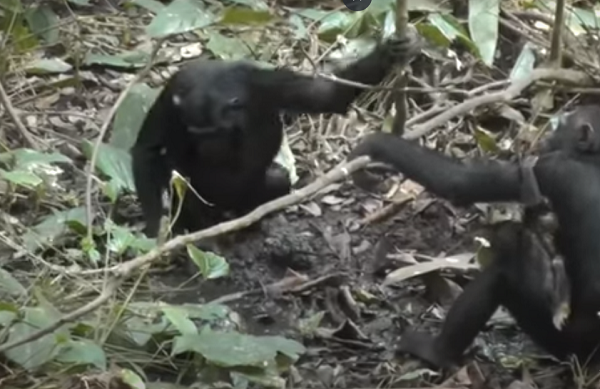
<point>460,182</point>
<point>291,91</point>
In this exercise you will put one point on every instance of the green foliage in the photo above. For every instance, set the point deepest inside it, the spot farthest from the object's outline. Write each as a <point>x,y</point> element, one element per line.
<point>483,25</point>
<point>125,59</point>
<point>178,17</point>
<point>210,265</point>
<point>227,48</point>
<point>524,64</point>
<point>31,169</point>
<point>54,226</point>
<point>43,22</point>
<point>245,16</point>
<point>151,5</point>
<point>48,66</point>
<point>130,115</point>
<point>114,162</point>
<point>9,286</point>
<point>35,354</point>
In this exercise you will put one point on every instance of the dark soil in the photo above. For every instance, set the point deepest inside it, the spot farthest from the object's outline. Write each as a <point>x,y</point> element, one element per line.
<point>332,243</point>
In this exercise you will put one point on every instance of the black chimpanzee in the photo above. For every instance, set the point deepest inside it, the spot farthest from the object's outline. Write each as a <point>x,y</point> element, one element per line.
<point>218,124</point>
<point>568,176</point>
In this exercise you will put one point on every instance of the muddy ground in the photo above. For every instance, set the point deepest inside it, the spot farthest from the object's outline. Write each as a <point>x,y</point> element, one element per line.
<point>333,244</point>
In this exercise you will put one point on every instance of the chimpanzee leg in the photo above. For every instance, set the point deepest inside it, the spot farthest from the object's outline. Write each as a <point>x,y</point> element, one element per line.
<point>465,319</point>
<point>516,280</point>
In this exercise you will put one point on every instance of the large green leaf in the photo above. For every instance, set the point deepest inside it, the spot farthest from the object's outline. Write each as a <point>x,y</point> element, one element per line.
<point>231,349</point>
<point>483,26</point>
<point>131,115</point>
<point>178,17</point>
<point>53,227</point>
<point>227,48</point>
<point>210,264</point>
<point>524,64</point>
<point>83,352</point>
<point>114,162</point>
<point>35,354</point>
<point>126,59</point>
<point>246,16</point>
<point>43,22</point>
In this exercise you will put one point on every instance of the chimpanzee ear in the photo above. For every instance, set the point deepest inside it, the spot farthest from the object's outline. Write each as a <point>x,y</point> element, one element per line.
<point>586,137</point>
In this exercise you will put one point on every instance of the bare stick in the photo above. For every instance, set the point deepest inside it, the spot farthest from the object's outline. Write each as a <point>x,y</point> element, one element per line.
<point>400,95</point>
<point>5,100</point>
<point>555,45</point>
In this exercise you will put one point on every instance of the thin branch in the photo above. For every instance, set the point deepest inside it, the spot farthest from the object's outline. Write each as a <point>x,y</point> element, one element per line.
<point>504,96</point>
<point>5,100</point>
<point>400,95</point>
<point>555,45</point>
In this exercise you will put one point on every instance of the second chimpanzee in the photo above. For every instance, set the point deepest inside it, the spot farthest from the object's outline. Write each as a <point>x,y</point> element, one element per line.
<point>568,175</point>
<point>218,123</point>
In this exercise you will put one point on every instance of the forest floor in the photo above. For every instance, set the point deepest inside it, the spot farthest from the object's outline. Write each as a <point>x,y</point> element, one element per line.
<point>352,344</point>
<point>318,272</point>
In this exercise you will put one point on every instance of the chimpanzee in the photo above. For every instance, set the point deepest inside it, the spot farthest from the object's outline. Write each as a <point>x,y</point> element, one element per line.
<point>225,130</point>
<point>567,173</point>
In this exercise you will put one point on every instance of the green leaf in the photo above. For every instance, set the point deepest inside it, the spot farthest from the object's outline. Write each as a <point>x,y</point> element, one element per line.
<point>428,6</point>
<point>83,352</point>
<point>120,239</point>
<point>254,4</point>
<point>151,5</point>
<point>48,66</point>
<point>43,22</point>
<point>52,227</point>
<point>483,25</point>
<point>27,158</point>
<point>485,141</point>
<point>113,162</point>
<point>300,30</point>
<point>227,48</point>
<point>10,286</point>
<point>433,34</point>
<point>126,59</point>
<point>210,265</point>
<point>111,190</point>
<point>245,16</point>
<point>451,28</point>
<point>132,380</point>
<point>231,349</point>
<point>179,318</point>
<point>524,64</point>
<point>22,178</point>
<point>178,17</point>
<point>131,114</point>
<point>34,354</point>
<point>141,329</point>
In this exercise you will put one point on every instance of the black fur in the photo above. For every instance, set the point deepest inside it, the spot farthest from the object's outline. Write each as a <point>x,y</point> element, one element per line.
<point>568,175</point>
<point>218,124</point>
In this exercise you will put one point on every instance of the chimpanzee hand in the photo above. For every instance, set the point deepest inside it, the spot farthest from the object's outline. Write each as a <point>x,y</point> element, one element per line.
<point>370,145</point>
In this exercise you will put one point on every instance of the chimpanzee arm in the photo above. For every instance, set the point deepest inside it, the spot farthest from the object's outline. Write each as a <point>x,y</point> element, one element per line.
<point>291,91</point>
<point>149,166</point>
<point>461,183</point>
